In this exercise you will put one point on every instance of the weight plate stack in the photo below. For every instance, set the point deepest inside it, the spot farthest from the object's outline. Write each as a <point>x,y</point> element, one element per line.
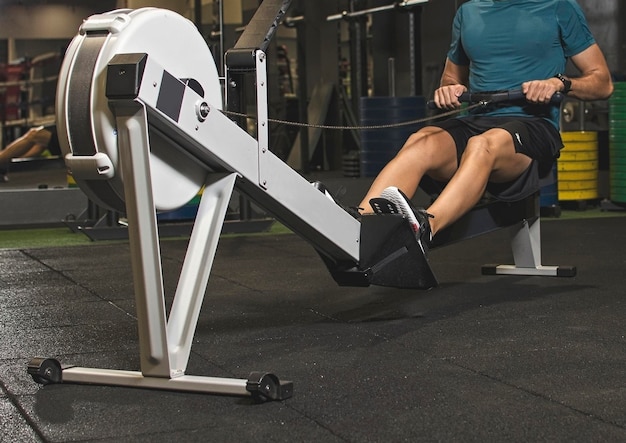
<point>577,167</point>
<point>617,143</point>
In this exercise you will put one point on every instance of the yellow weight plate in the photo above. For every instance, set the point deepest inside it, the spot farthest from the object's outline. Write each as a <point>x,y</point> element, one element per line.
<point>576,166</point>
<point>578,175</point>
<point>580,146</point>
<point>579,136</point>
<point>577,185</point>
<point>578,155</point>
<point>578,195</point>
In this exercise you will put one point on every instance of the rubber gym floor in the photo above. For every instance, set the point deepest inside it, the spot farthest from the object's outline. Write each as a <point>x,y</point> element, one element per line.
<point>479,358</point>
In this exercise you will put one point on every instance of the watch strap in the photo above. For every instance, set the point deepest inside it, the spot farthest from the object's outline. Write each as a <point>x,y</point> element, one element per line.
<point>567,83</point>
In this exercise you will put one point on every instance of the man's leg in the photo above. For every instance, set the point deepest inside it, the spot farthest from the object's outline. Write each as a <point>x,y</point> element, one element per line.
<point>429,151</point>
<point>31,144</point>
<point>489,156</point>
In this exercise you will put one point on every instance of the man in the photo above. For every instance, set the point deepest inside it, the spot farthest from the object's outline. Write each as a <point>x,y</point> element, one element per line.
<point>496,45</point>
<point>31,144</point>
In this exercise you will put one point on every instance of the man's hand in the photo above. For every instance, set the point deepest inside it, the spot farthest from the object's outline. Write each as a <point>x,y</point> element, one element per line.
<point>541,91</point>
<point>39,136</point>
<point>447,97</point>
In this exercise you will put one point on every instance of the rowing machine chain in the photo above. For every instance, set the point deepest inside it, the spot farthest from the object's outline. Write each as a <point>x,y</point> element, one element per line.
<point>391,125</point>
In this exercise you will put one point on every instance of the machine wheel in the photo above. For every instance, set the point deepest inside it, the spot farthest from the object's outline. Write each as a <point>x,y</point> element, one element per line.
<point>45,370</point>
<point>266,387</point>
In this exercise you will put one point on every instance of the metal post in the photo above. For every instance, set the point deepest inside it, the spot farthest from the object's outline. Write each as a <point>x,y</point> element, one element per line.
<point>302,96</point>
<point>391,72</point>
<point>221,67</point>
<point>415,56</point>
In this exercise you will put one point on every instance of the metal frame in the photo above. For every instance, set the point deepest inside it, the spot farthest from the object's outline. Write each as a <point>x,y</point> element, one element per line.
<point>165,341</point>
<point>524,223</point>
<point>526,246</point>
<point>355,252</point>
<point>219,144</point>
<point>165,344</point>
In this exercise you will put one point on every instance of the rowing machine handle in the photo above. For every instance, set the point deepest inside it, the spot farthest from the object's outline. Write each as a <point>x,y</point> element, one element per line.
<point>497,97</point>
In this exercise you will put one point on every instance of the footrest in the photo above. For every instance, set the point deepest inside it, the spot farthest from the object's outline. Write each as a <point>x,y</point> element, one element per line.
<point>389,256</point>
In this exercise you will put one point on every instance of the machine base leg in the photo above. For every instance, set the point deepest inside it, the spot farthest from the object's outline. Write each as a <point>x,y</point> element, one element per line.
<point>526,246</point>
<point>548,271</point>
<point>260,386</point>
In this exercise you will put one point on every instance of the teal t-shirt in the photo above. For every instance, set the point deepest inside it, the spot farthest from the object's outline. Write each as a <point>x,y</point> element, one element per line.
<point>508,42</point>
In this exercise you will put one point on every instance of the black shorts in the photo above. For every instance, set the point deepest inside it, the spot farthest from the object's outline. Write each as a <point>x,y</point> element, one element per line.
<point>532,136</point>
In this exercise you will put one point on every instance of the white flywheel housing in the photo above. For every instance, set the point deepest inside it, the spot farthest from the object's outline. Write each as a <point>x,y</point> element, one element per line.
<point>85,123</point>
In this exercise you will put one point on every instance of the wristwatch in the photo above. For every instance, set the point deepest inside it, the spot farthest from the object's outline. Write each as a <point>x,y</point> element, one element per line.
<point>567,83</point>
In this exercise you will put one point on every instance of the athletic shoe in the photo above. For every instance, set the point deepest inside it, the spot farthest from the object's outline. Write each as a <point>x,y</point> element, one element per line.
<point>393,201</point>
<point>353,211</point>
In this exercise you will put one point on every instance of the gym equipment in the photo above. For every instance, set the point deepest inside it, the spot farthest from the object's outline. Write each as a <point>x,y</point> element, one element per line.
<point>578,167</point>
<point>521,217</point>
<point>379,146</point>
<point>133,135</point>
<point>397,5</point>
<point>141,128</point>
<point>359,41</point>
<point>617,144</point>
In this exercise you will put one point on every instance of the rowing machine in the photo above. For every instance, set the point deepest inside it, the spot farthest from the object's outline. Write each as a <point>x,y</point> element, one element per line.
<point>141,128</point>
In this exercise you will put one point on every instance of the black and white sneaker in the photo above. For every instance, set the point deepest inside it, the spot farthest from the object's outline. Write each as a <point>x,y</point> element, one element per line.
<point>393,201</point>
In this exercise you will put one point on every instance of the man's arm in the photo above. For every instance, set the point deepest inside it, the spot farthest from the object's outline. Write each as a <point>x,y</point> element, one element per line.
<point>453,83</point>
<point>594,83</point>
<point>30,144</point>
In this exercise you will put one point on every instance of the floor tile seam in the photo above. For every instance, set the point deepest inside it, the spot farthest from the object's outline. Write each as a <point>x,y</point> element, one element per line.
<point>286,403</point>
<point>72,324</point>
<point>60,273</point>
<point>316,421</point>
<point>74,282</point>
<point>536,394</point>
<point>14,401</point>
<point>236,283</point>
<point>63,304</point>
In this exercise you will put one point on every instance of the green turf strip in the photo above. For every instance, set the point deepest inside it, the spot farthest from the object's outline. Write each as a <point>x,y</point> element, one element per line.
<point>58,237</point>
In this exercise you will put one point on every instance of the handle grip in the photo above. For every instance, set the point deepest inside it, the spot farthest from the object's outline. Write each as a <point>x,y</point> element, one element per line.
<point>497,97</point>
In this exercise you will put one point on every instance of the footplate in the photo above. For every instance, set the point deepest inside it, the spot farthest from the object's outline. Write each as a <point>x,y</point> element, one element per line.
<point>389,256</point>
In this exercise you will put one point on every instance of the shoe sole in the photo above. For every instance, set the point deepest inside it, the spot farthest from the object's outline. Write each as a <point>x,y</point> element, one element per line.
<point>383,205</point>
<point>402,205</point>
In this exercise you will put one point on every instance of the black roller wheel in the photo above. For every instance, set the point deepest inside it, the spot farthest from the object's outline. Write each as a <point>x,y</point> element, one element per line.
<point>45,370</point>
<point>267,387</point>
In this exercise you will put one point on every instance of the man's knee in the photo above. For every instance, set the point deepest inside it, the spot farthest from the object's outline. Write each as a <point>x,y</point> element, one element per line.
<point>481,149</point>
<point>417,140</point>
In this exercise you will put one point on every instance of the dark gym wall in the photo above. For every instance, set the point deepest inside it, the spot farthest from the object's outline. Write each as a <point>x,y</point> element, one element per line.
<point>389,37</point>
<point>605,18</point>
<point>320,41</point>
